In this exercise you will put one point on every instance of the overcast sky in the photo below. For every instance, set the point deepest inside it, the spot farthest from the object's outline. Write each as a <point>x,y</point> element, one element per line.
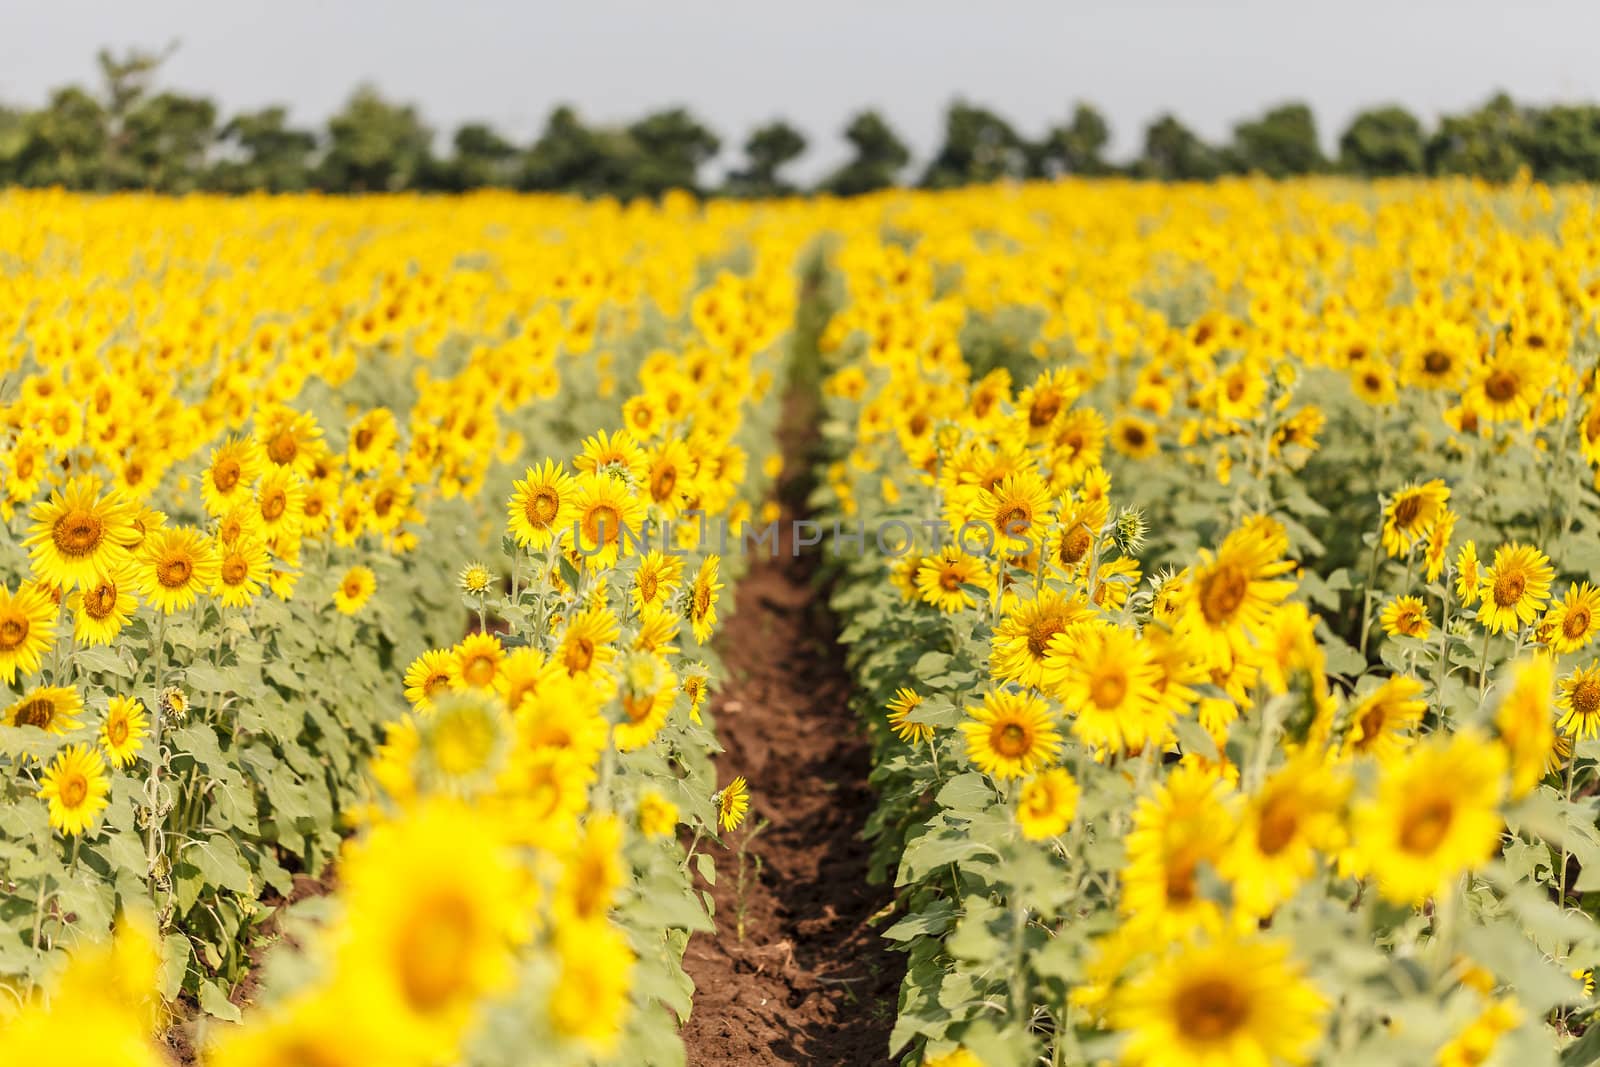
<point>740,62</point>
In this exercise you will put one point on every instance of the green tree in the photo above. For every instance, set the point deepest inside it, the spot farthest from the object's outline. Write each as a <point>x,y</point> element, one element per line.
<point>1489,143</point>
<point>979,146</point>
<point>1075,148</point>
<point>165,141</point>
<point>63,143</point>
<point>668,149</point>
<point>880,155</point>
<point>766,151</point>
<point>480,158</point>
<point>1172,152</point>
<point>1563,143</point>
<point>1280,144</point>
<point>261,151</point>
<point>1383,142</point>
<point>374,146</point>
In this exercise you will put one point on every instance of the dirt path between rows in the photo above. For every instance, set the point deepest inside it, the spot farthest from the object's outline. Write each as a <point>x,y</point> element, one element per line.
<point>811,982</point>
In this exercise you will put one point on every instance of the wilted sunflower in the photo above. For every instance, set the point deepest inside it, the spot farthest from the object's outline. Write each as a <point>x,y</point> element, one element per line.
<point>899,709</point>
<point>1435,816</point>
<point>78,534</point>
<point>1411,514</point>
<point>1580,701</point>
<point>1514,587</point>
<point>702,608</point>
<point>51,708</point>
<point>175,567</point>
<point>355,589</point>
<point>1226,1001</point>
<point>1011,735</point>
<point>27,628</point>
<point>123,731</point>
<point>540,507</point>
<point>77,789</point>
<point>732,803</point>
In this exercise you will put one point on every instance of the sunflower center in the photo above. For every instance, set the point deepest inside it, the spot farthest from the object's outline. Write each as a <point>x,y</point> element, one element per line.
<point>1044,410</point>
<point>274,504</point>
<point>1211,1009</point>
<point>1371,726</point>
<point>603,524</point>
<point>1425,825</point>
<point>662,484</point>
<point>1576,624</point>
<point>283,448</point>
<point>1075,545</point>
<point>1039,635</point>
<point>637,706</point>
<point>579,655</point>
<point>235,570</point>
<point>1508,589</point>
<point>1277,828</point>
<point>117,731</point>
<point>73,791</point>
<point>13,631</point>
<point>226,474</point>
<point>1134,436</point>
<point>1014,519</point>
<point>78,532</point>
<point>1180,882</point>
<point>949,579</point>
<point>435,951</point>
<point>541,507</point>
<point>438,683</point>
<point>478,671</point>
<point>1011,740</point>
<point>1221,593</point>
<point>174,573</point>
<point>1436,361</point>
<point>1586,698</point>
<point>100,601</point>
<point>383,503</point>
<point>364,438</point>
<point>39,711</point>
<point>1108,690</point>
<point>1500,386</point>
<point>702,600</point>
<point>1406,510</point>
<point>647,587</point>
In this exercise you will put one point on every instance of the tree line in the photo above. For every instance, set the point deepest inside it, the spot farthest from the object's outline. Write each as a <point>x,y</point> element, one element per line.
<point>126,133</point>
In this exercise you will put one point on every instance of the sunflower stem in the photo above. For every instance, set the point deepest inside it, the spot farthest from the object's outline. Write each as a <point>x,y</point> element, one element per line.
<point>1483,665</point>
<point>1366,592</point>
<point>1561,880</point>
<point>152,789</point>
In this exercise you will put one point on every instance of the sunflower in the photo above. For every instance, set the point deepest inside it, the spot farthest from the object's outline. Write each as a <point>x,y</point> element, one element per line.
<point>606,518</point>
<point>1437,549</point>
<point>695,685</point>
<point>656,579</point>
<point>591,997</point>
<point>175,567</point>
<point>1410,515</point>
<point>1514,587</point>
<point>670,476</point>
<point>643,415</point>
<point>1526,721</point>
<point>1295,814</point>
<point>289,439</point>
<point>477,662</point>
<point>1574,621</point>
<point>440,901</point>
<point>1186,821</point>
<point>355,589</point>
<point>1435,815</point>
<point>1507,388</point>
<point>1229,597</point>
<point>1475,1044</point>
<point>1580,701</point>
<point>1406,616</point>
<point>77,789</point>
<point>475,579</point>
<point>1106,677</point>
<point>1134,437</point>
<point>27,628</point>
<point>1011,735</point>
<point>540,506</point>
<point>702,613</point>
<point>1014,512</point>
<point>281,502</point>
<point>648,689</point>
<point>78,534</point>
<point>732,803</point>
<point>226,482</point>
<point>656,815</point>
<point>123,731</point>
<point>1044,402</point>
<point>1467,574</point>
<point>1373,382</point>
<point>941,579</point>
<point>51,708</point>
<point>242,570</point>
<point>429,675</point>
<point>464,742</point>
<point>1046,805</point>
<point>588,642</point>
<point>1022,637</point>
<point>1380,723</point>
<point>372,437</point>
<point>1227,1001</point>
<point>905,701</point>
<point>616,454</point>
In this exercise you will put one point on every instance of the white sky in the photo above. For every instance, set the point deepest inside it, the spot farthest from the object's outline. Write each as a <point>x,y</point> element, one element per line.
<point>736,64</point>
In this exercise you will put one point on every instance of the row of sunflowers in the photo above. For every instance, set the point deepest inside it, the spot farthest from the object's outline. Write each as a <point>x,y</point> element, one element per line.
<point>345,724</point>
<point>1231,664</point>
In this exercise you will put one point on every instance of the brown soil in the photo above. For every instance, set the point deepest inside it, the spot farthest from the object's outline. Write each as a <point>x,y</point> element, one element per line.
<point>812,981</point>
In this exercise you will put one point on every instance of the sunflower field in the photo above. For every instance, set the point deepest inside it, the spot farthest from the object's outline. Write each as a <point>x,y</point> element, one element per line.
<point>1214,567</point>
